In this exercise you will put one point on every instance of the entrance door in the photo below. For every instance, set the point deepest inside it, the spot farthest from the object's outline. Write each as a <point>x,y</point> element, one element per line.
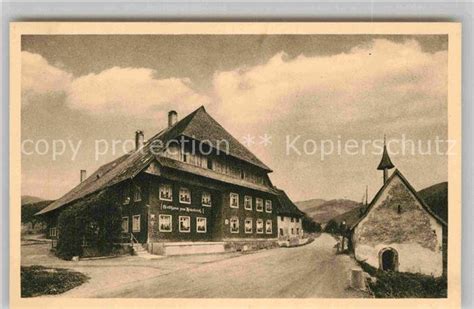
<point>389,260</point>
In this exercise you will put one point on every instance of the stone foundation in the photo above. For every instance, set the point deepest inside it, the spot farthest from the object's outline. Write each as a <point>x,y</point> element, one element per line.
<point>249,245</point>
<point>185,248</point>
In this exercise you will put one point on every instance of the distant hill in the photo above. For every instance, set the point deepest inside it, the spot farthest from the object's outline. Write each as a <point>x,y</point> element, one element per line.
<point>28,199</point>
<point>310,205</point>
<point>436,196</point>
<point>322,211</point>
<point>350,216</point>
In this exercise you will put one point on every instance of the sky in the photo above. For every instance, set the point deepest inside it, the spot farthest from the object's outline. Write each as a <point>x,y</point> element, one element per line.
<point>286,97</point>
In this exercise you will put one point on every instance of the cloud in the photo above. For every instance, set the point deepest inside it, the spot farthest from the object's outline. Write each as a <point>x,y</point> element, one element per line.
<point>379,82</point>
<point>123,91</point>
<point>132,91</point>
<point>38,77</point>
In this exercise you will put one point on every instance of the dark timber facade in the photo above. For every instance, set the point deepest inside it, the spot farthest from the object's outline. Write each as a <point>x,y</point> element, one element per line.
<point>192,182</point>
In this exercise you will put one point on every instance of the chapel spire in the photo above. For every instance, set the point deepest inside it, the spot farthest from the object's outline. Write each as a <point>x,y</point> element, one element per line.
<point>385,164</point>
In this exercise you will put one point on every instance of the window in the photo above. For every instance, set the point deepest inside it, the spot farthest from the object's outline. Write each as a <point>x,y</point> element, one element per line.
<point>166,193</point>
<point>184,224</point>
<point>248,202</point>
<point>268,227</point>
<point>125,224</point>
<point>184,156</point>
<point>297,231</point>
<point>184,196</point>
<point>248,226</point>
<point>292,219</point>
<point>53,232</point>
<point>201,225</point>
<point>281,218</point>
<point>126,194</point>
<point>292,231</point>
<point>259,226</point>
<point>234,225</point>
<point>137,195</point>
<point>164,223</point>
<point>206,199</point>
<point>268,206</point>
<point>234,200</point>
<point>209,163</point>
<point>259,204</point>
<point>136,223</point>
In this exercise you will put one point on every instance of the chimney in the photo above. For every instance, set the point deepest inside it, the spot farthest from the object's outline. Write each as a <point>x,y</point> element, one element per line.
<point>83,175</point>
<point>139,139</point>
<point>172,118</point>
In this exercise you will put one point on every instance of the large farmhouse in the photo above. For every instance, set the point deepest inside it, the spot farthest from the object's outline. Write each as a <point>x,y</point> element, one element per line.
<point>190,188</point>
<point>398,231</point>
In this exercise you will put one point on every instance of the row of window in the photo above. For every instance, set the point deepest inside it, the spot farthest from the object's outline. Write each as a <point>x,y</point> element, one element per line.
<point>166,194</point>
<point>297,220</point>
<point>291,233</point>
<point>248,226</point>
<point>220,165</point>
<point>165,224</point>
<point>135,224</point>
<point>234,203</point>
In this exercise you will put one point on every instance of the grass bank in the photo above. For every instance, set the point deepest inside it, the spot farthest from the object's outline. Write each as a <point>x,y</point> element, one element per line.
<point>38,280</point>
<point>389,284</point>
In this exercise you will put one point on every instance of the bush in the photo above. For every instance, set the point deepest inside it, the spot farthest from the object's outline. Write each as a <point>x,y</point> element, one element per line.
<point>28,212</point>
<point>391,284</point>
<point>94,222</point>
<point>39,280</point>
<point>310,226</point>
<point>332,227</point>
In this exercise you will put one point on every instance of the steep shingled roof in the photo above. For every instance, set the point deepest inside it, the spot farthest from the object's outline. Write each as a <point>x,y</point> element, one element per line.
<point>202,127</point>
<point>198,125</point>
<point>397,173</point>
<point>286,206</point>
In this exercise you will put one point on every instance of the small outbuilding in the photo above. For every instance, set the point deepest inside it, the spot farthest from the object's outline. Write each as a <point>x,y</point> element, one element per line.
<point>398,231</point>
<point>290,218</point>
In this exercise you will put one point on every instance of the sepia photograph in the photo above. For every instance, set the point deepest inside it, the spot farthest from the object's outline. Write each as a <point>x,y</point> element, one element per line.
<point>236,161</point>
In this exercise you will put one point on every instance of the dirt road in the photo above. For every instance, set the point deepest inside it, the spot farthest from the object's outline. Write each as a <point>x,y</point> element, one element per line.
<point>308,271</point>
<point>303,272</point>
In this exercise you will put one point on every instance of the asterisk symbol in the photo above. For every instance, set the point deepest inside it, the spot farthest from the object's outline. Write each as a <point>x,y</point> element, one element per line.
<point>248,140</point>
<point>266,139</point>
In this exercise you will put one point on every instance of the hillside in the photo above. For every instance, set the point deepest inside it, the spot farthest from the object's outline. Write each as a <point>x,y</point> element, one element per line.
<point>324,211</point>
<point>28,199</point>
<point>436,197</point>
<point>310,205</point>
<point>350,216</point>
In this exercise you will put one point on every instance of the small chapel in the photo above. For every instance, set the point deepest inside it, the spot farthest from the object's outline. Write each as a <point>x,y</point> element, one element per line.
<point>398,231</point>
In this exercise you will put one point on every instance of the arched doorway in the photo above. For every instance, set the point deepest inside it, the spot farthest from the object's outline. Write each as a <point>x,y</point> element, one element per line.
<point>388,259</point>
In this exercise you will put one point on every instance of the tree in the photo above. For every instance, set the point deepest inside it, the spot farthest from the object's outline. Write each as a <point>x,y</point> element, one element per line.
<point>95,221</point>
<point>332,227</point>
<point>310,226</point>
<point>28,212</point>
